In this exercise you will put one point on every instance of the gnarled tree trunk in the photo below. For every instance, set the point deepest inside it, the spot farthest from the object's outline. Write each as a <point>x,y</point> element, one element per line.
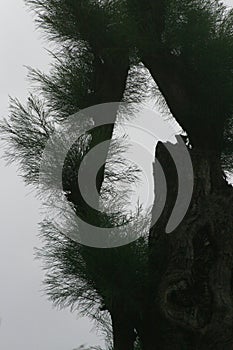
<point>193,287</point>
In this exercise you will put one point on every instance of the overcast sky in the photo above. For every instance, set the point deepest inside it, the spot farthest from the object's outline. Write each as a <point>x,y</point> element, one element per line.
<point>28,321</point>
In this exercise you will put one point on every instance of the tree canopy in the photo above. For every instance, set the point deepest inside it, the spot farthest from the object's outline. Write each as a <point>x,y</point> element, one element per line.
<point>181,54</point>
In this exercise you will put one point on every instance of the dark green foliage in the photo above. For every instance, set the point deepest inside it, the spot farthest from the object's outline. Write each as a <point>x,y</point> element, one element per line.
<point>27,132</point>
<point>90,281</point>
<point>70,85</point>
<point>190,43</point>
<point>89,278</point>
<point>179,51</point>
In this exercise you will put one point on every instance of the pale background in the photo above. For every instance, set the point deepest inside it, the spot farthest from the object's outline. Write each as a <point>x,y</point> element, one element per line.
<point>28,321</point>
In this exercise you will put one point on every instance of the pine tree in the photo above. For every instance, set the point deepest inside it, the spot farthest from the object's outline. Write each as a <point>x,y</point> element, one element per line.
<point>168,291</point>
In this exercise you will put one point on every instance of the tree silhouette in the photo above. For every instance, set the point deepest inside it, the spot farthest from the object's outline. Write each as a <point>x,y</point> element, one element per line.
<point>167,291</point>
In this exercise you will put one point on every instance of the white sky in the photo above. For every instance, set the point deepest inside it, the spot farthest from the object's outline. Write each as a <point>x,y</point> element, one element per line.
<point>28,321</point>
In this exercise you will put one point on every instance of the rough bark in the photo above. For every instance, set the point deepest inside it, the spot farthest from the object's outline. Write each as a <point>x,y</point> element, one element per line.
<point>193,289</point>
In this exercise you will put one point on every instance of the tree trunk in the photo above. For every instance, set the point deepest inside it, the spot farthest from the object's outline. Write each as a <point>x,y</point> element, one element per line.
<point>193,286</point>
<point>123,330</point>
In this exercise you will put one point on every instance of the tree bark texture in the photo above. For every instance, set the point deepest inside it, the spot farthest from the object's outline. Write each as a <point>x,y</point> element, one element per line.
<point>193,298</point>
